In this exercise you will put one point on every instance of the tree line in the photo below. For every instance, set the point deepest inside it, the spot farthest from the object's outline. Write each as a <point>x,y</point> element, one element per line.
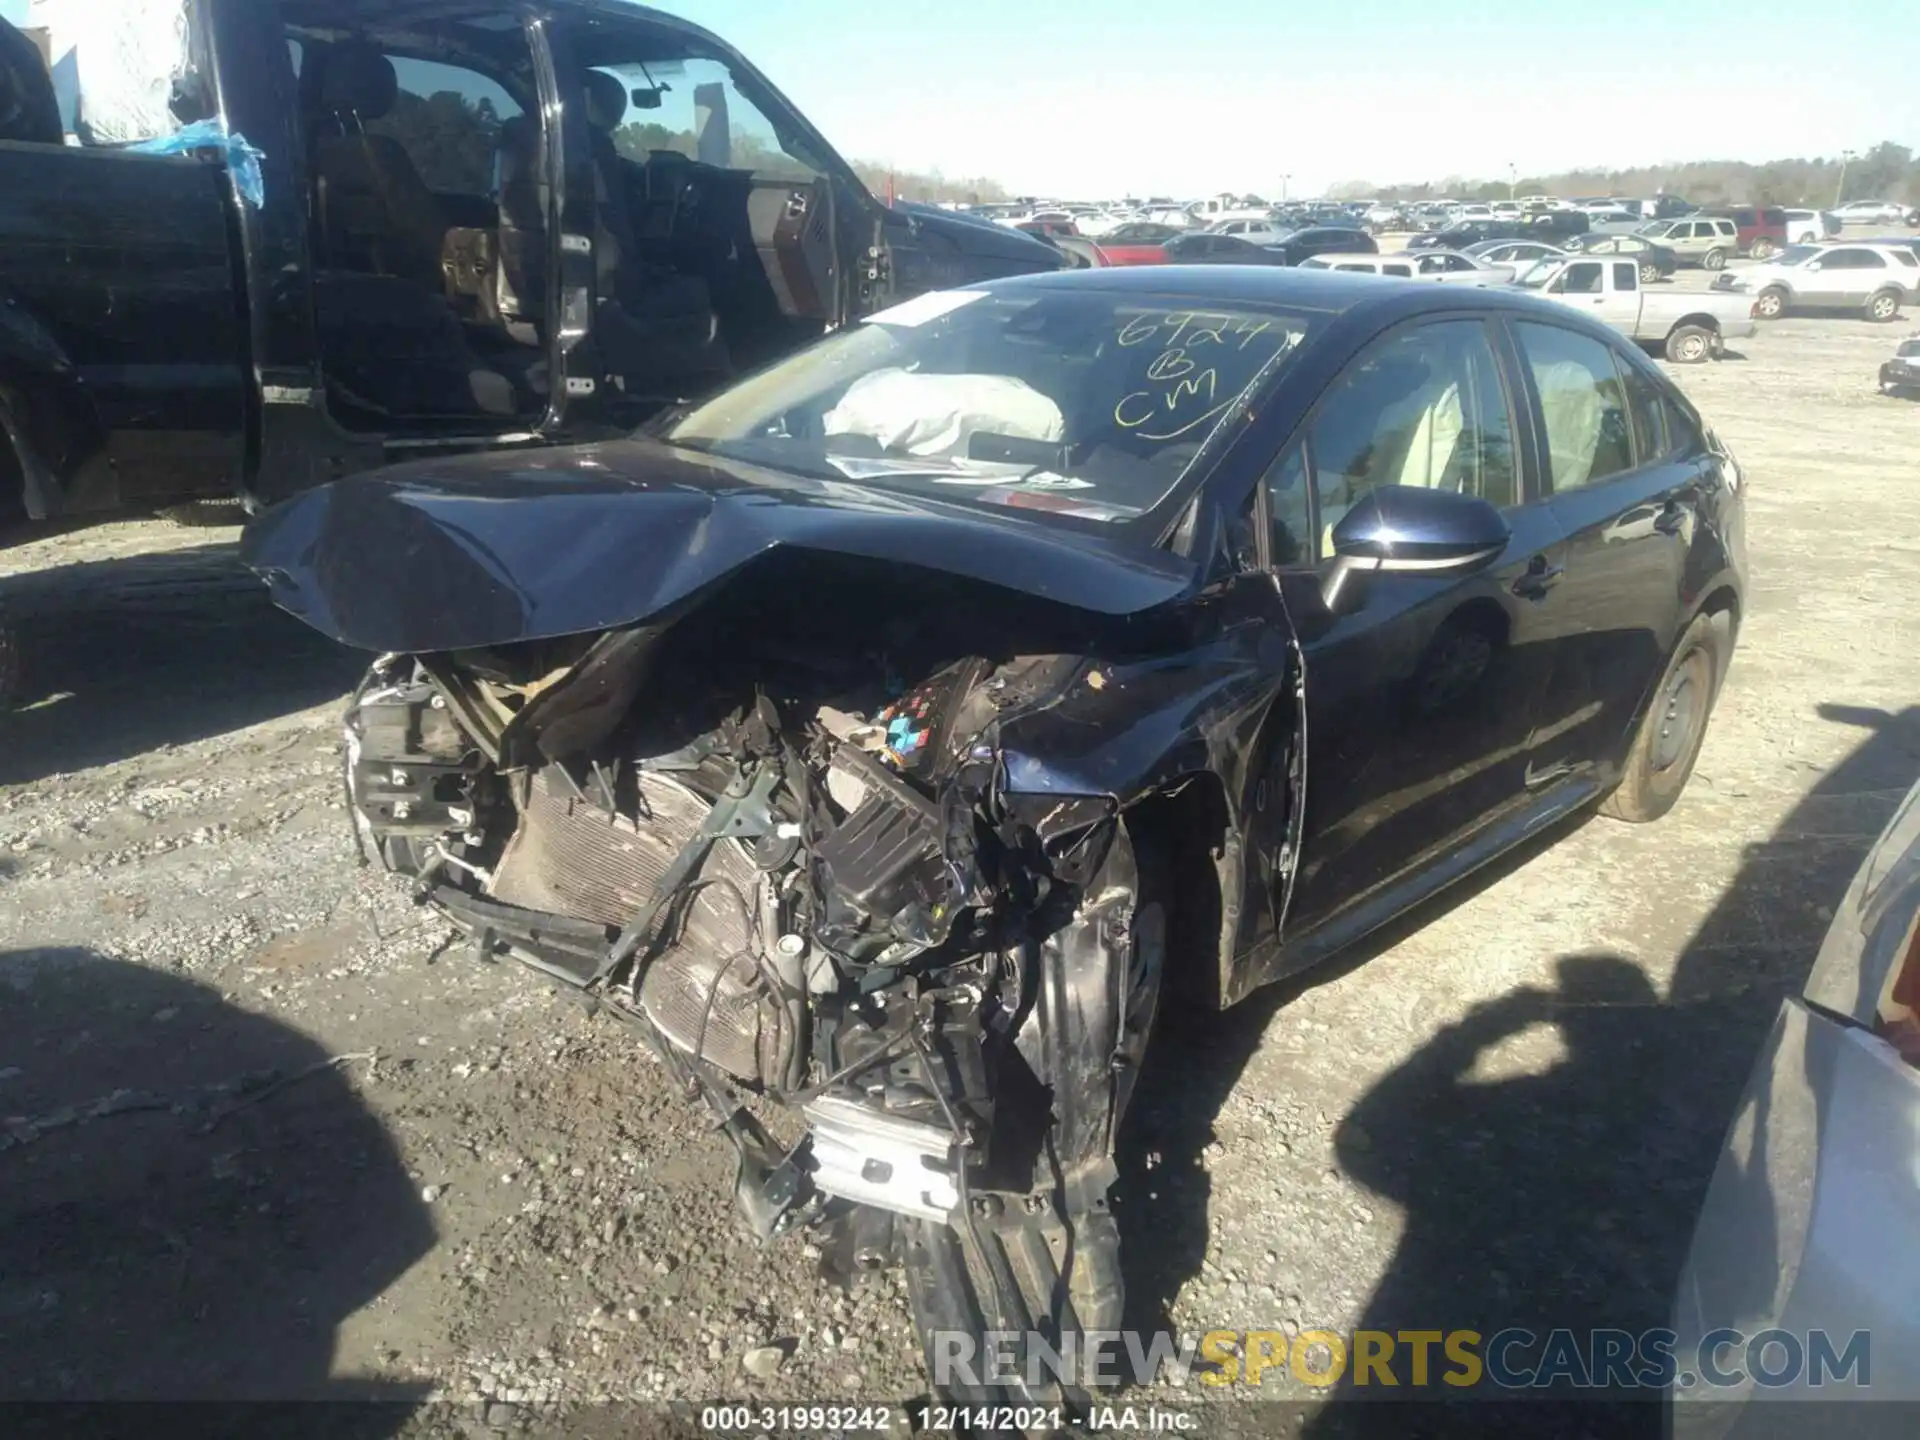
<point>1886,171</point>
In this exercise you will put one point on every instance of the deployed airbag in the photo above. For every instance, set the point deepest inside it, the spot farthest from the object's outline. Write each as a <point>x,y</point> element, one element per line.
<point>114,64</point>
<point>916,414</point>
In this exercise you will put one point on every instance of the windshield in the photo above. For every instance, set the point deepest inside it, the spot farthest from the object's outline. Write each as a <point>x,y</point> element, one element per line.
<point>1798,254</point>
<point>1539,273</point>
<point>1084,403</point>
<point>1656,229</point>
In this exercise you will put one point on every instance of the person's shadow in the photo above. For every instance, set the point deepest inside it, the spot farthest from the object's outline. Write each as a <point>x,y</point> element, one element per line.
<point>192,1200</point>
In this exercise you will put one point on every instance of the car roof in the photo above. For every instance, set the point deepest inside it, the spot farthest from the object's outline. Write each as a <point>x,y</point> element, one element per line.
<point>1373,300</point>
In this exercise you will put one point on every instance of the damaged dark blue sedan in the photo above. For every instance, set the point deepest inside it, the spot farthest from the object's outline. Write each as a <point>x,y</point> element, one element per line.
<point>883,735</point>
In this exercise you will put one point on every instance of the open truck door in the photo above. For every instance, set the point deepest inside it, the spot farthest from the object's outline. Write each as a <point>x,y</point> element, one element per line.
<point>122,357</point>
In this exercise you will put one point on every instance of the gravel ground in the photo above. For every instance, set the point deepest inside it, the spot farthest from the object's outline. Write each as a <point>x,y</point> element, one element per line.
<point>267,1132</point>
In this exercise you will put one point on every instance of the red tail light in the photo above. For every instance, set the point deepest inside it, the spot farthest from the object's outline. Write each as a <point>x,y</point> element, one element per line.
<point>1897,1017</point>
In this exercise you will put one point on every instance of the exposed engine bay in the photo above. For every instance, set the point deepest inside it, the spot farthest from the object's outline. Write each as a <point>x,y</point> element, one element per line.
<point>773,829</point>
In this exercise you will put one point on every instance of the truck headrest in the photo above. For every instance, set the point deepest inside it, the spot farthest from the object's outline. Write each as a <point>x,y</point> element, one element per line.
<point>359,81</point>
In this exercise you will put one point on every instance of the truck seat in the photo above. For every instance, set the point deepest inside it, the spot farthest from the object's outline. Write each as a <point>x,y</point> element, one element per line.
<point>375,214</point>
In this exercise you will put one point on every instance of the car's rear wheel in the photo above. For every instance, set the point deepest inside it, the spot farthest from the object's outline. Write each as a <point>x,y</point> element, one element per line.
<point>1883,306</point>
<point>1771,303</point>
<point>1690,345</point>
<point>1714,260</point>
<point>1649,272</point>
<point>1765,249</point>
<point>1661,758</point>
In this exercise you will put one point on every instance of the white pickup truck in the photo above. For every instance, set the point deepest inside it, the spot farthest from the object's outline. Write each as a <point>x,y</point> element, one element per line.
<point>1688,328</point>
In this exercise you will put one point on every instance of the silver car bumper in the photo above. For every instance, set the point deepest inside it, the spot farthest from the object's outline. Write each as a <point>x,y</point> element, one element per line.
<point>1811,1226</point>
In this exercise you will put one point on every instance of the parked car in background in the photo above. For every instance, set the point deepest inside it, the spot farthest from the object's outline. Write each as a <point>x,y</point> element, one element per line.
<point>1470,232</point>
<point>1875,280</point>
<point>1656,261</point>
<point>1081,253</point>
<point>1687,329</point>
<point>1207,248</point>
<point>1447,266</point>
<point>1808,1227</point>
<point>1138,242</point>
<point>1341,567</point>
<point>1901,374</point>
<point>1258,232</point>
<point>1396,267</point>
<point>1759,230</point>
<point>1519,254</point>
<point>1046,225</point>
<point>1666,207</point>
<point>1811,227</point>
<point>1708,241</point>
<point>1558,225</point>
<point>1323,240</point>
<point>1898,242</point>
<point>1871,211</point>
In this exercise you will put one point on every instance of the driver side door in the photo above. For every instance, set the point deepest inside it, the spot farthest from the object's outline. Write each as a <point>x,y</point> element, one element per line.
<point>1422,691</point>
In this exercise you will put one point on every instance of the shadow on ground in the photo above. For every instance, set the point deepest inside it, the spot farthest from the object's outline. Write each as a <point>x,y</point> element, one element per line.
<point>204,1239</point>
<point>122,656</point>
<point>1547,1200</point>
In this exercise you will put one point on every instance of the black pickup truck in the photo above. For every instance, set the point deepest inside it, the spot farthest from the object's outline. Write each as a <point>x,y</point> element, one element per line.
<point>478,224</point>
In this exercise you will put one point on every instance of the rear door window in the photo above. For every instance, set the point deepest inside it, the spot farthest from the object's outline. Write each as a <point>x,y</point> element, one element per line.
<point>1626,275</point>
<point>1582,402</point>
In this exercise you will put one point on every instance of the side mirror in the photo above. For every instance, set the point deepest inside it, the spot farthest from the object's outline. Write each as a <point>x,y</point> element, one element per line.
<point>1404,529</point>
<point>1814,265</point>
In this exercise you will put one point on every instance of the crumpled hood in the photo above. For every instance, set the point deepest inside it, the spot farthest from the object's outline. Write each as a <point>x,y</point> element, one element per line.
<point>488,550</point>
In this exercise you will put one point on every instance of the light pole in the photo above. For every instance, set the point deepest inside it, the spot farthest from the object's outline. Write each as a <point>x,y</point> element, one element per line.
<point>1513,179</point>
<point>1283,187</point>
<point>1840,189</point>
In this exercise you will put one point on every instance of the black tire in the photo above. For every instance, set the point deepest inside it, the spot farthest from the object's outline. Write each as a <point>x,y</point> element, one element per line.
<point>1884,306</point>
<point>1661,758</point>
<point>1770,303</point>
<point>1764,249</point>
<point>1649,272</point>
<point>1690,345</point>
<point>203,514</point>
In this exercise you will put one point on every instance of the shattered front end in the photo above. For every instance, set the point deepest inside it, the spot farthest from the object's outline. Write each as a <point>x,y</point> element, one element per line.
<point>801,870</point>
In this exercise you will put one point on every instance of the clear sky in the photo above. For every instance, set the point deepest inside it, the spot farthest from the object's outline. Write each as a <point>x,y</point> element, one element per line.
<point>1099,97</point>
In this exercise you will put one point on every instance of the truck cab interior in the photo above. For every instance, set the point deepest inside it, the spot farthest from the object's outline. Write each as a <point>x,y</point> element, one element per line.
<point>433,213</point>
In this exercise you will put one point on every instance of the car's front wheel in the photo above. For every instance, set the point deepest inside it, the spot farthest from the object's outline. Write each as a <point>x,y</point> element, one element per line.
<point>1883,306</point>
<point>1714,260</point>
<point>1668,741</point>
<point>1770,304</point>
<point>1765,249</point>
